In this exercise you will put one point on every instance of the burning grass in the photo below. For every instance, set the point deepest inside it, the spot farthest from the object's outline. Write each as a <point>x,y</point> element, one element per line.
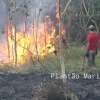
<point>35,51</point>
<point>38,42</point>
<point>50,63</point>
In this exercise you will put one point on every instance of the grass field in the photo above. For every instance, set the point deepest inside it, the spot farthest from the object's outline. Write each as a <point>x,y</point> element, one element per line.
<point>73,60</point>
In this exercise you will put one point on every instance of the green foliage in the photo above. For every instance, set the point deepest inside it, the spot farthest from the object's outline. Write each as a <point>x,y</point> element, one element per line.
<point>79,15</point>
<point>97,6</point>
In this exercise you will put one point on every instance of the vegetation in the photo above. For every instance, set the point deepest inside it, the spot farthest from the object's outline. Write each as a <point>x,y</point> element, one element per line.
<point>79,15</point>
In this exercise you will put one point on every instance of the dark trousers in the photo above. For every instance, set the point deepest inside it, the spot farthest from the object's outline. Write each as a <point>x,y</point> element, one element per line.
<point>90,55</point>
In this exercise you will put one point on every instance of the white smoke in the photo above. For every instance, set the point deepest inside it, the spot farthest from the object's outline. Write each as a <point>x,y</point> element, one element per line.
<point>42,7</point>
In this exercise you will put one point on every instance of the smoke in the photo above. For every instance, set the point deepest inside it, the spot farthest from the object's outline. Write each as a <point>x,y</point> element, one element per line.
<point>47,6</point>
<point>37,9</point>
<point>32,9</point>
<point>3,15</point>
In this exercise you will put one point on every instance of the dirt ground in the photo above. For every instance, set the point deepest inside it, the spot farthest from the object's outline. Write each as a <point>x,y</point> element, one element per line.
<point>42,87</point>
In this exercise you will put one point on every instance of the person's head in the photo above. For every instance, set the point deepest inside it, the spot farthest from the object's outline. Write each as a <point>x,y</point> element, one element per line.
<point>91,28</point>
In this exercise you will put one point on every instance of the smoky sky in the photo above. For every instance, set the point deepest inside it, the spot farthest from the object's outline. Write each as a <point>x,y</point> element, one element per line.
<point>47,8</point>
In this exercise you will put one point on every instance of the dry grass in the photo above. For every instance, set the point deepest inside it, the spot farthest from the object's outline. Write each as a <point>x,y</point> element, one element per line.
<point>73,59</point>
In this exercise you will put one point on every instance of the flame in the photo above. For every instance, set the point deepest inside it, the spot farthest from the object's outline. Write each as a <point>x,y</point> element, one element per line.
<point>39,42</point>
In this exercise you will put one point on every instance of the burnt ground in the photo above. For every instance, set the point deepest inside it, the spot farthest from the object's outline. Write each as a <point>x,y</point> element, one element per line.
<point>42,87</point>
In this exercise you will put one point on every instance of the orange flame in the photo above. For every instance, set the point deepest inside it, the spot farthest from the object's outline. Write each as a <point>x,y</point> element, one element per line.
<point>26,44</point>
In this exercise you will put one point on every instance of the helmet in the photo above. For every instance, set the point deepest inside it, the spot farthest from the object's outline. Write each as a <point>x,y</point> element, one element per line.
<point>91,27</point>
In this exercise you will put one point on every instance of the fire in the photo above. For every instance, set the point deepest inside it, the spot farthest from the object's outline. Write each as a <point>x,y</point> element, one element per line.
<point>38,42</point>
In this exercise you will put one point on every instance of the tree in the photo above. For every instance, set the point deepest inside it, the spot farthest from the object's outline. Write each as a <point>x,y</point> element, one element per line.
<point>79,15</point>
<point>11,29</point>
